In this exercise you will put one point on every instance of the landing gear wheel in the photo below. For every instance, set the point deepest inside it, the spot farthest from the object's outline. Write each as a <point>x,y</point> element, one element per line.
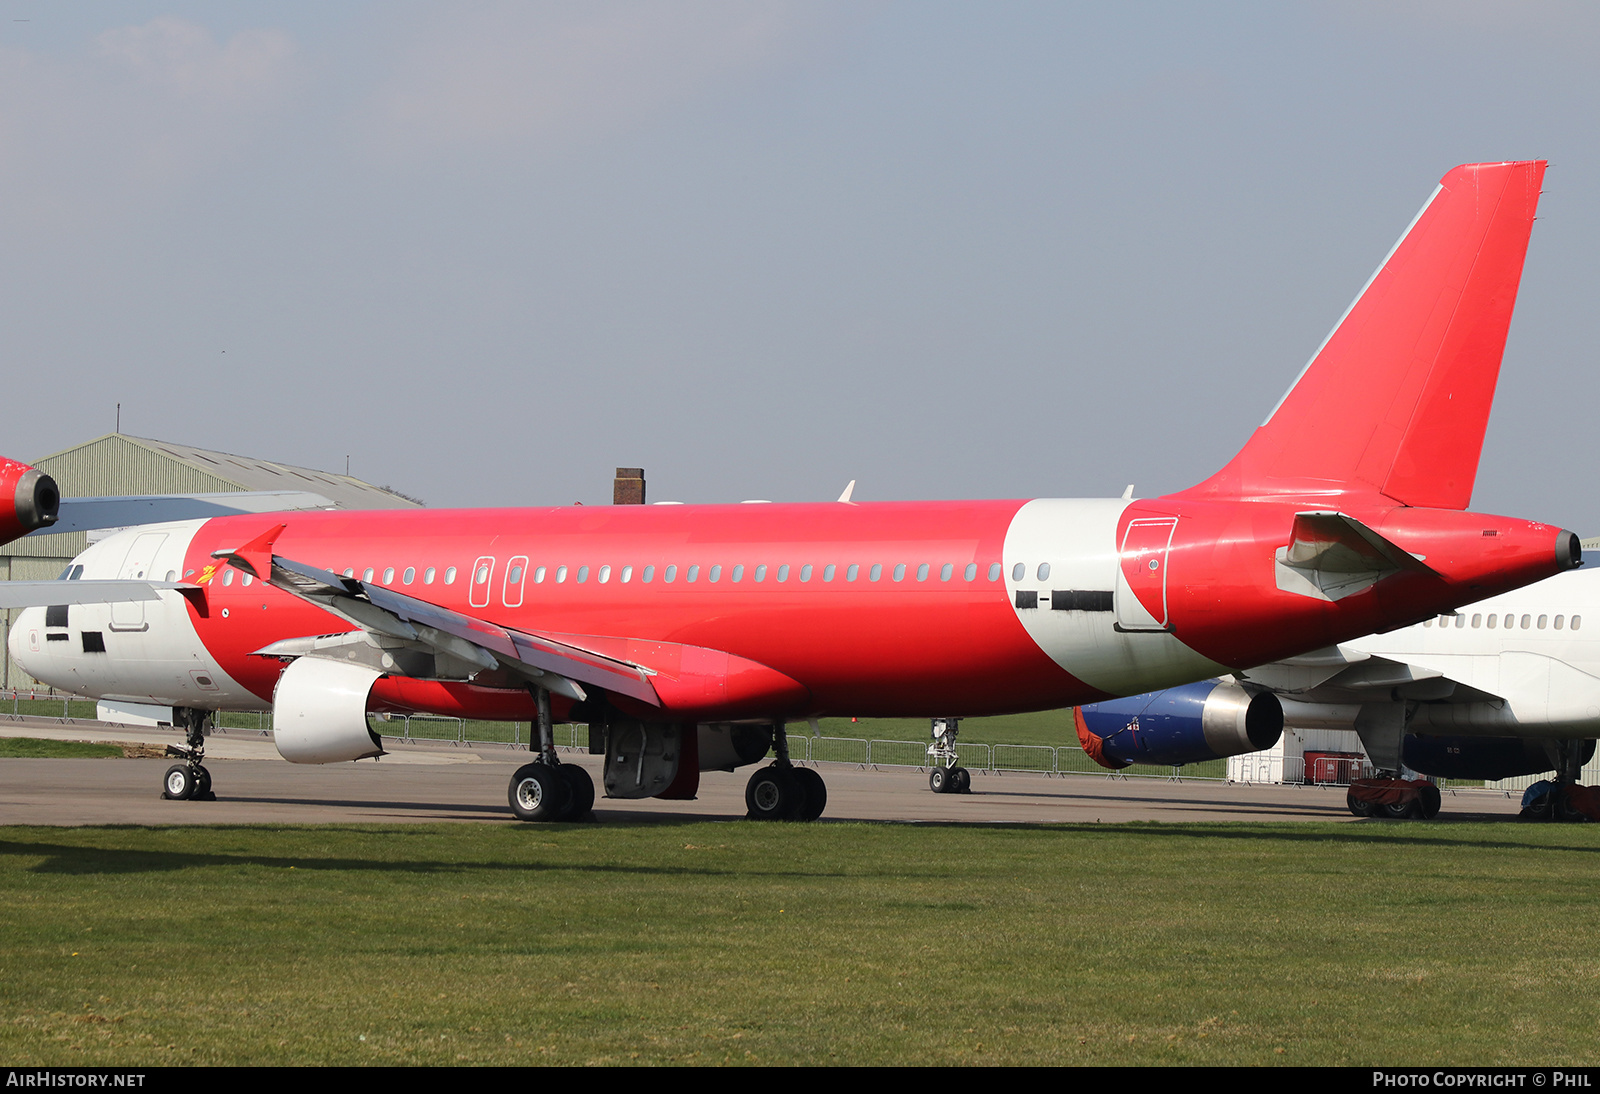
<point>1565,811</point>
<point>538,793</point>
<point>960,781</point>
<point>774,794</point>
<point>939,780</point>
<point>1398,810</point>
<point>202,786</point>
<point>1357,806</point>
<point>815,790</point>
<point>179,783</point>
<point>1428,801</point>
<point>580,792</point>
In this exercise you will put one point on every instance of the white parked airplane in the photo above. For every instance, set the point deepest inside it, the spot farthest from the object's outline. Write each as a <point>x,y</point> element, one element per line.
<point>1507,686</point>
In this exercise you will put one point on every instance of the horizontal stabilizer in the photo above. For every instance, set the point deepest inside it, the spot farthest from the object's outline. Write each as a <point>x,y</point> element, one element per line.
<point>1331,556</point>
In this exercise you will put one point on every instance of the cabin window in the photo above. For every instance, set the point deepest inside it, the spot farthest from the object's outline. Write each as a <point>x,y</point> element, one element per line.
<point>805,572</point>
<point>450,575</point>
<point>1429,622</point>
<point>410,575</point>
<point>876,572</point>
<point>1527,621</point>
<point>922,572</point>
<point>478,578</point>
<point>827,571</point>
<point>994,572</point>
<point>1477,620</point>
<point>1543,619</point>
<point>900,571</point>
<point>648,575</point>
<point>783,572</point>
<point>946,572</point>
<point>694,572</point>
<point>1577,621</point>
<point>227,577</point>
<point>561,575</point>
<point>538,575</point>
<point>1019,571</point>
<point>1492,618</point>
<point>852,572</point>
<point>971,572</point>
<point>246,580</point>
<point>349,571</point>
<point>515,575</point>
<point>427,575</point>
<point>1461,621</point>
<point>583,574</point>
<point>670,574</point>
<point>1044,571</point>
<point>626,575</point>
<point>604,575</point>
<point>1559,620</point>
<point>388,575</point>
<point>738,572</point>
<point>716,573</point>
<point>761,572</point>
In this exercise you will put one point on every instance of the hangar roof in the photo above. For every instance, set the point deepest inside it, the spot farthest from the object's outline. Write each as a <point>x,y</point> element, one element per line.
<point>117,465</point>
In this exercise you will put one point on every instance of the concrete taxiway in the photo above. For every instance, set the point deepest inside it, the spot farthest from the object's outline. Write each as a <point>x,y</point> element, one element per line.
<point>445,782</point>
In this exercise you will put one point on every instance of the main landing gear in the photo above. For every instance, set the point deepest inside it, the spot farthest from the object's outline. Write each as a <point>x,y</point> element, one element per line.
<point>1394,798</point>
<point>547,789</point>
<point>1563,800</point>
<point>945,773</point>
<point>189,780</point>
<point>782,791</point>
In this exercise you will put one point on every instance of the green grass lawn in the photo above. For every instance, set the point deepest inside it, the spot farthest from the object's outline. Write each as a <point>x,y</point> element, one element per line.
<point>738,942</point>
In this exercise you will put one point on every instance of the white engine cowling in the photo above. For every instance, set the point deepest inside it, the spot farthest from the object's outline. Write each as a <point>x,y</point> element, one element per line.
<point>319,712</point>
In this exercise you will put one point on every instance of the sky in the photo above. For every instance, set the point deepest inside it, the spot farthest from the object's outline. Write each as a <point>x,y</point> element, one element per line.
<point>489,252</point>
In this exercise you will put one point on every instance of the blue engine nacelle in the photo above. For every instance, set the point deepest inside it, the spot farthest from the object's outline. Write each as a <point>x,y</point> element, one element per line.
<point>1204,721</point>
<point>1482,757</point>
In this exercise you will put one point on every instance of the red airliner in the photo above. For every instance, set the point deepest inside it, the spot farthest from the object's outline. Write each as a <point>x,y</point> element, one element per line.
<point>687,636</point>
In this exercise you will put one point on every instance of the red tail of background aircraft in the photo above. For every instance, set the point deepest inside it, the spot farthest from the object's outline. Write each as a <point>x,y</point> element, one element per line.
<point>687,636</point>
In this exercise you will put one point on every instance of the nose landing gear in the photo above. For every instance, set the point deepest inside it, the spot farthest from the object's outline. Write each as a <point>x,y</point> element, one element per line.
<point>945,773</point>
<point>189,781</point>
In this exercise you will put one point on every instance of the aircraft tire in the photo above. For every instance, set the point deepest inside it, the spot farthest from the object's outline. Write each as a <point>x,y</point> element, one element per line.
<point>939,780</point>
<point>815,790</point>
<point>1399,810</point>
<point>961,780</point>
<point>1429,801</point>
<point>773,794</point>
<point>178,784</point>
<point>580,792</point>
<point>538,793</point>
<point>1356,805</point>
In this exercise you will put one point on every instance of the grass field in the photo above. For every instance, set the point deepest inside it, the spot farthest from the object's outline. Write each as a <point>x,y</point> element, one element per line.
<point>37,748</point>
<point>831,943</point>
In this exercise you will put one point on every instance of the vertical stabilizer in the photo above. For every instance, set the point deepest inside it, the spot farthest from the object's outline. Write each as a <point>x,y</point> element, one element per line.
<point>1397,398</point>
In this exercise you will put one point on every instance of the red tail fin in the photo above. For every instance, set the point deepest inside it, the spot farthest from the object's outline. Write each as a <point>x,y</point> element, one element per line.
<point>1397,399</point>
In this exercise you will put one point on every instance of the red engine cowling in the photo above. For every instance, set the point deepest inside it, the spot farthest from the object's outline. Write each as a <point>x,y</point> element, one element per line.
<point>29,500</point>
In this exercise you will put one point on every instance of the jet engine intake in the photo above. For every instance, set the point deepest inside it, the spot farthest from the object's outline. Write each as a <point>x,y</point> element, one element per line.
<point>319,712</point>
<point>724,746</point>
<point>1204,721</point>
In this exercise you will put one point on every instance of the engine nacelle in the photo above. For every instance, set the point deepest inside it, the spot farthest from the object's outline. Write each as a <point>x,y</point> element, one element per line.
<point>724,747</point>
<point>1482,757</point>
<point>29,499</point>
<point>319,712</point>
<point>1184,725</point>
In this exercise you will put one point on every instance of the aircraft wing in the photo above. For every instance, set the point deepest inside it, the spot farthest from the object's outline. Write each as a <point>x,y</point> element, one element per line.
<point>90,514</point>
<point>44,594</point>
<point>558,666</point>
<point>1348,674</point>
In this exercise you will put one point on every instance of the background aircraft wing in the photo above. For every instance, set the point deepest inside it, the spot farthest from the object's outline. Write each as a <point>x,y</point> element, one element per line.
<point>89,514</point>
